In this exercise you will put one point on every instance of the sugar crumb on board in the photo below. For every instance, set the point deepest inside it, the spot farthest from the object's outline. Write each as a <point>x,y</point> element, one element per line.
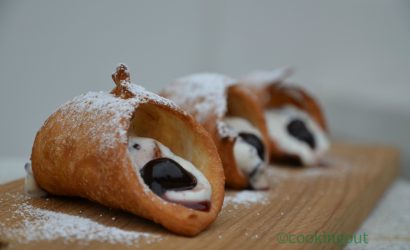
<point>38,224</point>
<point>246,198</point>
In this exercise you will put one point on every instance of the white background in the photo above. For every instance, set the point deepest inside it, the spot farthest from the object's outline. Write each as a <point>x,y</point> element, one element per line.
<point>355,55</point>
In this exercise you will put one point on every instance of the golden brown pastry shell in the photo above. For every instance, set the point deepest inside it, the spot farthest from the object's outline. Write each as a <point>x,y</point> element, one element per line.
<point>75,165</point>
<point>242,103</point>
<point>279,94</point>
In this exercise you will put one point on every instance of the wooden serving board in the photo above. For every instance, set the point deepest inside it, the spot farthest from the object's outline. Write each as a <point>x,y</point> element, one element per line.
<point>334,198</point>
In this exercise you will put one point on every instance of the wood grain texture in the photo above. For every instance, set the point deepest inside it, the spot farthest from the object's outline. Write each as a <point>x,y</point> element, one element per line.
<point>334,198</point>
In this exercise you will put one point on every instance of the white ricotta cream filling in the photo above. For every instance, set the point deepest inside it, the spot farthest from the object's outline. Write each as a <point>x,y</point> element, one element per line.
<point>245,155</point>
<point>277,121</point>
<point>30,185</point>
<point>149,149</point>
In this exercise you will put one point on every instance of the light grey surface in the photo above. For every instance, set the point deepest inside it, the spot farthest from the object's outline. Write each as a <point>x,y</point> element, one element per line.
<point>388,226</point>
<point>11,168</point>
<point>354,55</point>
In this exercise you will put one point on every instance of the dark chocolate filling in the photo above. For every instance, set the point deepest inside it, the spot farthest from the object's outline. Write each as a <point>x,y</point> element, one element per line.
<point>298,129</point>
<point>255,142</point>
<point>163,174</point>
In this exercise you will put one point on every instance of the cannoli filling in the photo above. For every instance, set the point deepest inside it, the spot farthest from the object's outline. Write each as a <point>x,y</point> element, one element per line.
<point>169,176</point>
<point>296,133</point>
<point>249,151</point>
<point>30,184</point>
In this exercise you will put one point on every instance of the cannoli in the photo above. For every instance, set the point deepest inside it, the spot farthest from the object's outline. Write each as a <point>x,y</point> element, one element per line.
<point>133,150</point>
<point>295,121</point>
<point>233,117</point>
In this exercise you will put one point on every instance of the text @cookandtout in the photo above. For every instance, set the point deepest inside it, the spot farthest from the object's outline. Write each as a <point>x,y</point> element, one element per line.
<point>321,238</point>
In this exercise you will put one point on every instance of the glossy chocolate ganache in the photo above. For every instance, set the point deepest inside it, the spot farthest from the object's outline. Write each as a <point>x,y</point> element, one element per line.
<point>169,176</point>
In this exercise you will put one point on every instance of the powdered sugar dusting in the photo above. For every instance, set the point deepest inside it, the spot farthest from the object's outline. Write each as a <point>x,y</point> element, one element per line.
<point>246,198</point>
<point>38,224</point>
<point>267,77</point>
<point>225,131</point>
<point>87,108</point>
<point>92,106</point>
<point>201,95</point>
<point>143,96</point>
